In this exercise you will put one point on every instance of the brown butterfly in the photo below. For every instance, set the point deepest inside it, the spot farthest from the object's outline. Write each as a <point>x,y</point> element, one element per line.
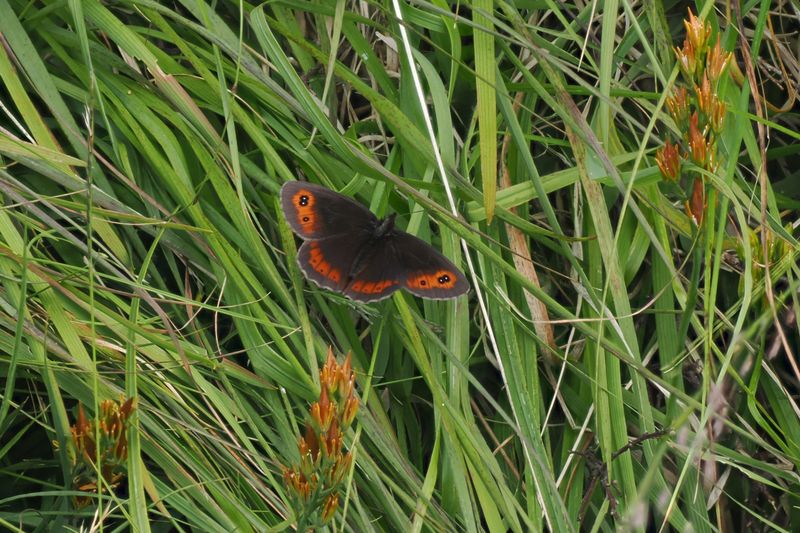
<point>349,250</point>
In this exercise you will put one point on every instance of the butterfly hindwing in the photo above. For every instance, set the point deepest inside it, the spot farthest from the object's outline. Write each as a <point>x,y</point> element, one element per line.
<point>401,261</point>
<point>377,274</point>
<point>327,261</point>
<point>425,271</point>
<point>315,212</point>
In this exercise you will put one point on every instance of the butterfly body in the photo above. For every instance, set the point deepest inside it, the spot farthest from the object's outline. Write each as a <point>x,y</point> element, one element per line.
<point>350,250</point>
<point>382,230</point>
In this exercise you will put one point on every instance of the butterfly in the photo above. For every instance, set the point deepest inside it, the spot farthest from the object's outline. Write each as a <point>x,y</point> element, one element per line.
<point>351,251</point>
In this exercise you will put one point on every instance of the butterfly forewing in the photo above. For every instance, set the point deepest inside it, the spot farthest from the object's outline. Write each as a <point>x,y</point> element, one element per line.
<point>314,212</point>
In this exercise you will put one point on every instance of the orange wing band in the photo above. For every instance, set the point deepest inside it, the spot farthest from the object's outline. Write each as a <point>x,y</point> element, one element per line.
<point>304,201</point>
<point>442,279</point>
<point>371,287</point>
<point>318,263</point>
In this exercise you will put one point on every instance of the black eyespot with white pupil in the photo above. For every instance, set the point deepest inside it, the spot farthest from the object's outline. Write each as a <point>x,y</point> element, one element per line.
<point>303,200</point>
<point>443,279</point>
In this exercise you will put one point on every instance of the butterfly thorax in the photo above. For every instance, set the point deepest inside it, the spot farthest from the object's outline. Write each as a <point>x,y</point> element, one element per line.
<point>382,229</point>
<point>385,226</point>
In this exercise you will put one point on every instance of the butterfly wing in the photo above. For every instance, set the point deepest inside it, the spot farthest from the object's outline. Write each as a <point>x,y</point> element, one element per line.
<point>327,261</point>
<point>315,212</point>
<point>425,271</point>
<point>400,260</point>
<point>378,275</point>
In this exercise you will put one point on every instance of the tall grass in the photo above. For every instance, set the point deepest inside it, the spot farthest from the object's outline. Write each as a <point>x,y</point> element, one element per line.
<point>618,364</point>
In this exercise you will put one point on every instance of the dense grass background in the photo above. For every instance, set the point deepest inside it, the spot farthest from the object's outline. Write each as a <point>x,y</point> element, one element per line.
<point>629,370</point>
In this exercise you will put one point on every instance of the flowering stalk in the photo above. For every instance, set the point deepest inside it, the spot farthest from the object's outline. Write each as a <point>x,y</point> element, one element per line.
<point>315,482</point>
<point>697,111</point>
<point>110,451</point>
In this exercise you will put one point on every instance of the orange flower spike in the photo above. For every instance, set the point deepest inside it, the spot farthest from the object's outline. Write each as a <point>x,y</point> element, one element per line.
<point>325,411</point>
<point>82,436</point>
<point>698,148</point>
<point>704,96</point>
<point>127,408</point>
<point>107,409</point>
<point>346,462</point>
<point>77,429</point>
<point>295,482</point>
<point>112,427</point>
<point>669,163</point>
<point>346,386</point>
<point>317,415</point>
<point>90,450</point>
<point>82,425</point>
<point>716,115</point>
<point>338,384</point>
<point>102,425</point>
<point>335,445</point>
<point>717,61</point>
<point>330,443</point>
<point>341,468</point>
<point>324,450</point>
<point>697,32</point>
<point>327,376</point>
<point>305,486</point>
<point>711,162</point>
<point>308,463</point>
<point>303,448</point>
<point>311,440</point>
<point>121,448</point>
<point>322,462</point>
<point>331,504</point>
<point>114,415</point>
<point>346,370</point>
<point>309,445</point>
<point>300,486</point>
<point>349,411</point>
<point>678,106</point>
<point>695,207</point>
<point>288,477</point>
<point>687,60</point>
